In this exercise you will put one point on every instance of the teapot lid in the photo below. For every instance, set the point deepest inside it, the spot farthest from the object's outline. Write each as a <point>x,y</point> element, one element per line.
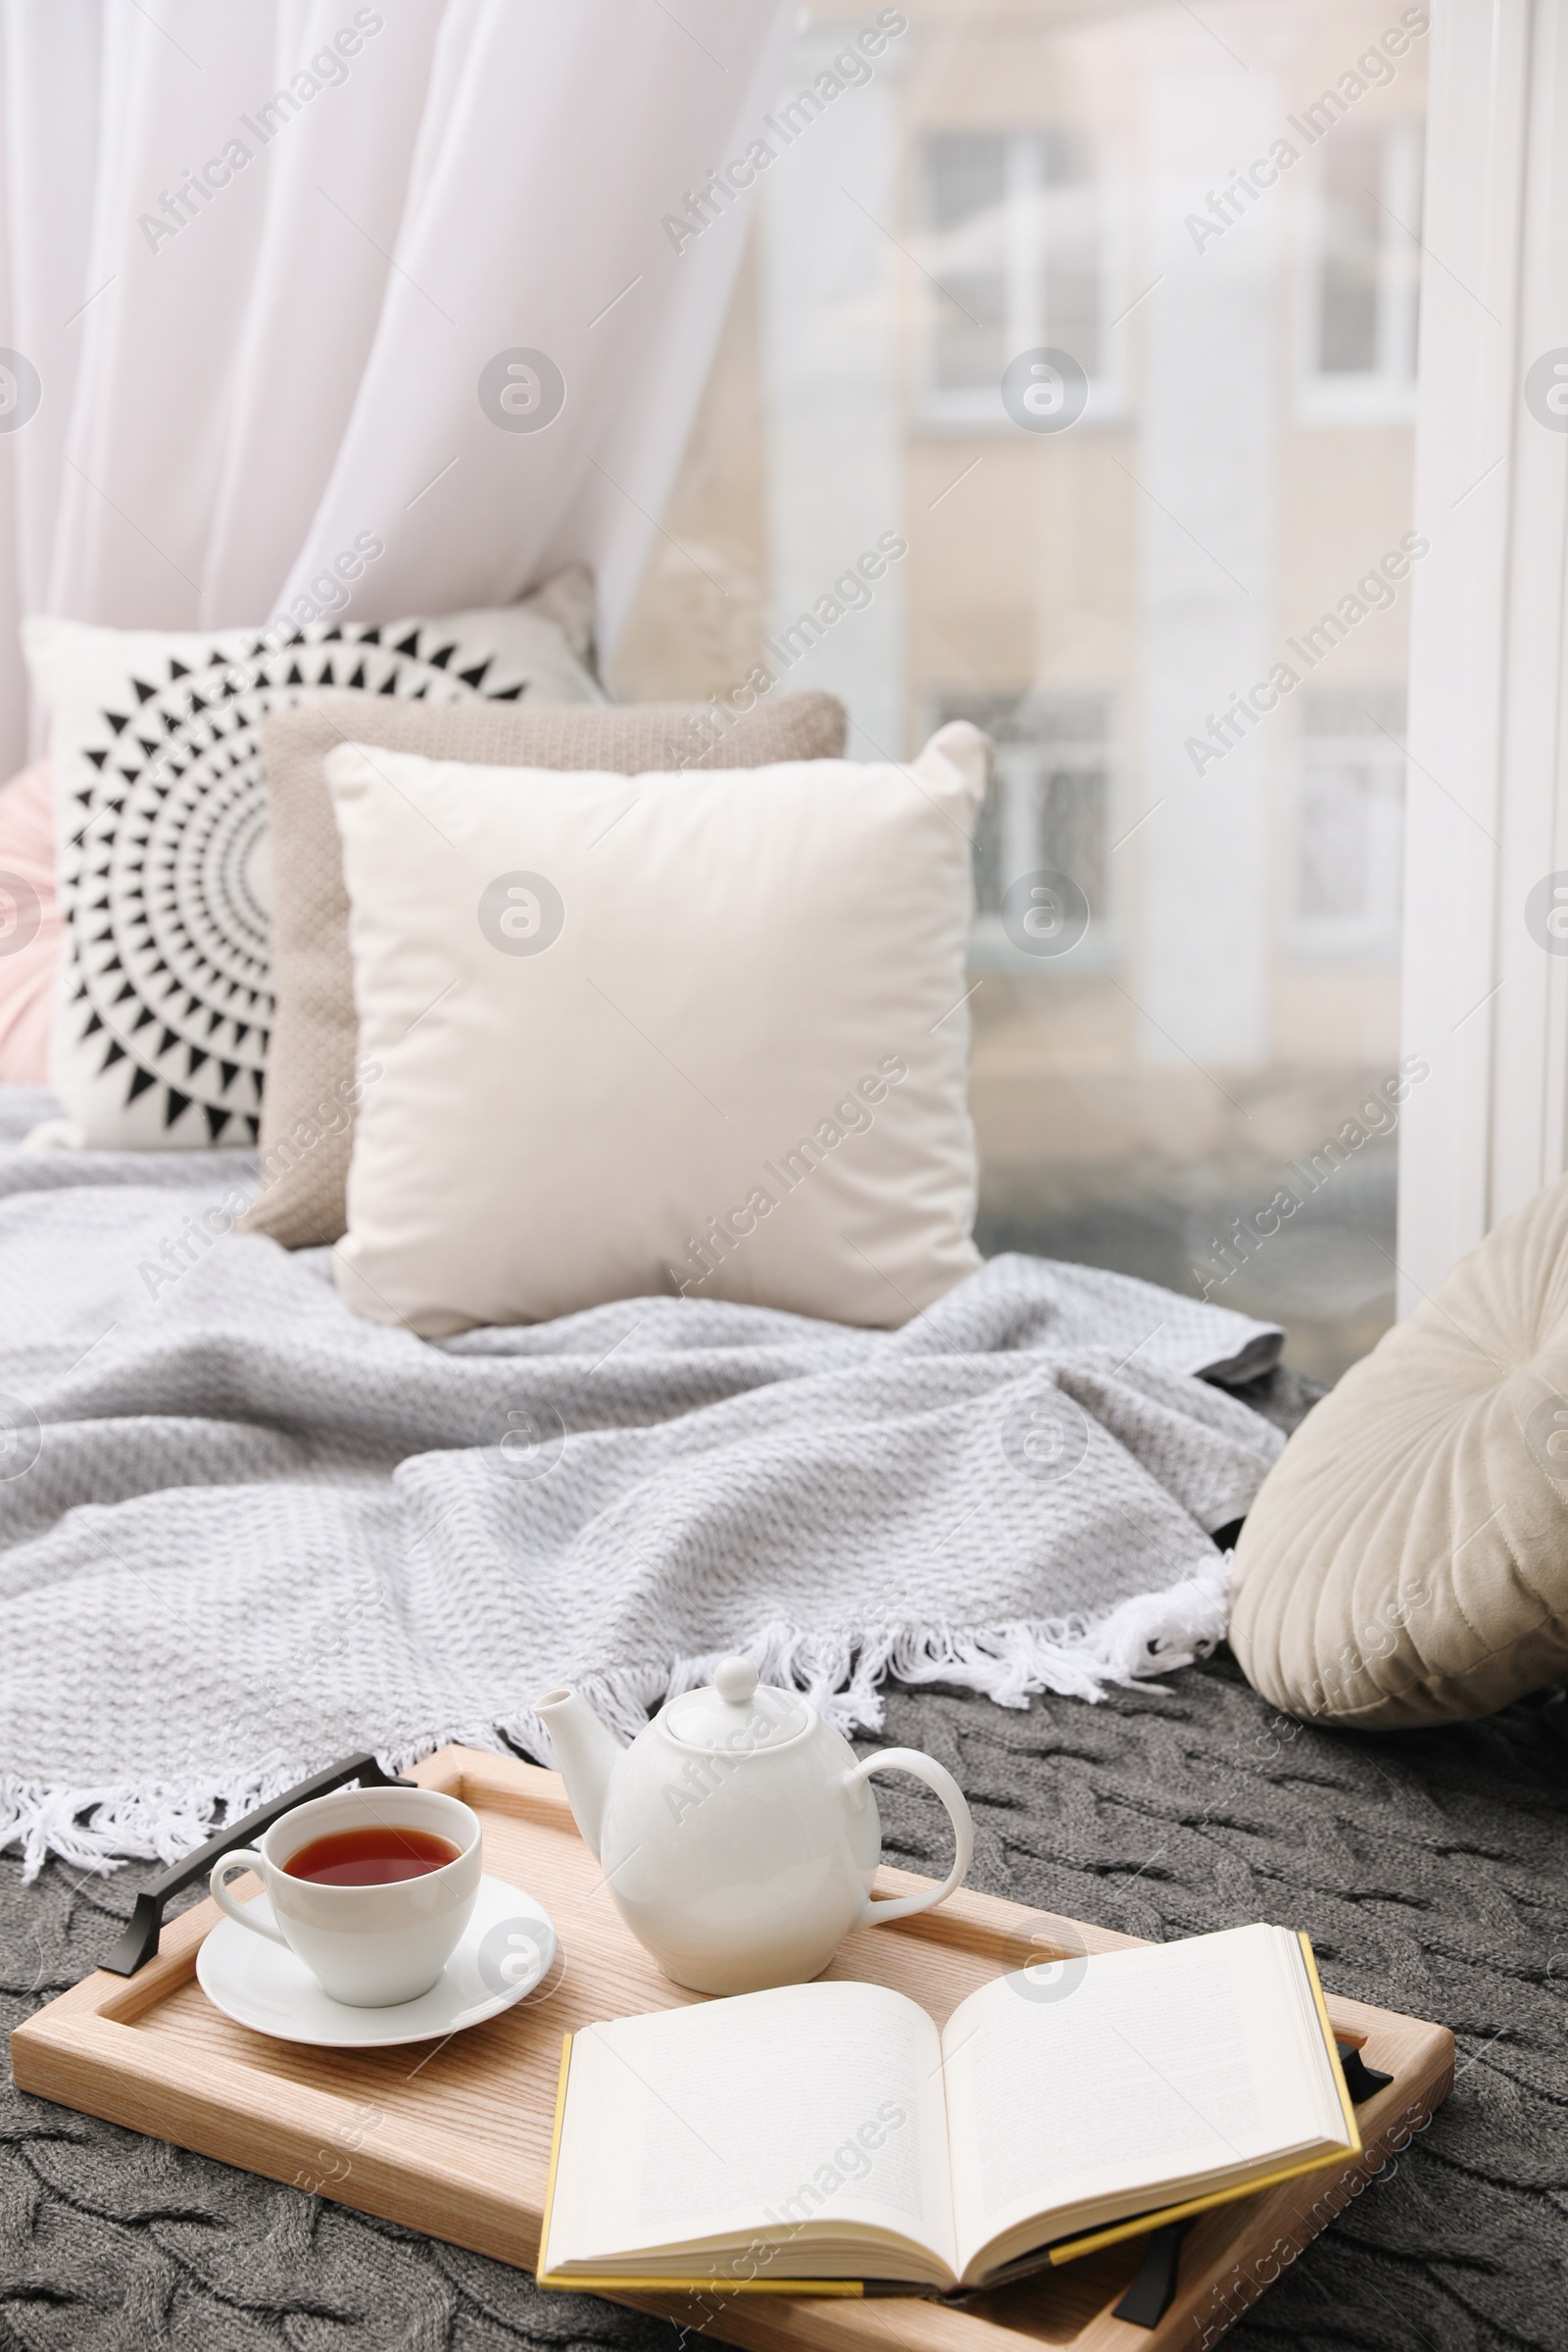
<point>735,1714</point>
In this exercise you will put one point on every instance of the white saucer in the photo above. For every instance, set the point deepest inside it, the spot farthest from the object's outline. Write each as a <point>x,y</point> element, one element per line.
<point>506,1948</point>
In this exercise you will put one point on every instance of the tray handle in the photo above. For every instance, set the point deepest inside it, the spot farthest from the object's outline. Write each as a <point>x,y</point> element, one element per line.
<point>137,1943</point>
<point>1361,2081</point>
<point>1153,2290</point>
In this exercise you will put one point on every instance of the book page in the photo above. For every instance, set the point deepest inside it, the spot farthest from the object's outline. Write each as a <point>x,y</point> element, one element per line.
<point>1180,2064</point>
<point>766,2115</point>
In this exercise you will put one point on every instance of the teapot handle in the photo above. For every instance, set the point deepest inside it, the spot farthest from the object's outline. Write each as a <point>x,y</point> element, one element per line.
<point>879,1911</point>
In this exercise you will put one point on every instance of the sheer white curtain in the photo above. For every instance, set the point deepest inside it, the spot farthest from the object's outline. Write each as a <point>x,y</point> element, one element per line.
<point>255,260</point>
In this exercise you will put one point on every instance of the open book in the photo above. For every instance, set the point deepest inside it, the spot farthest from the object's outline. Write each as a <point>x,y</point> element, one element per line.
<point>828,2133</point>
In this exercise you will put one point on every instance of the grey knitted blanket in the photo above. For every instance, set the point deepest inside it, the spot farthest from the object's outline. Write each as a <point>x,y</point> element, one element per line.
<point>242,1532</point>
<point>1430,1869</point>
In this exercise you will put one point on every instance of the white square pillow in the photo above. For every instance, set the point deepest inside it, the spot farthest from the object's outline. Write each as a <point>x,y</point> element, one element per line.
<point>164,999</point>
<point>699,1033</point>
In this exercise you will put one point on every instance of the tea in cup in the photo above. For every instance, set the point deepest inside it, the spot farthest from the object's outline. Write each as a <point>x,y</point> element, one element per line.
<point>370,1888</point>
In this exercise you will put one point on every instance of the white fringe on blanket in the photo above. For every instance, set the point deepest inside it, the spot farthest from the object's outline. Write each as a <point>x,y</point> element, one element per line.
<point>95,1830</point>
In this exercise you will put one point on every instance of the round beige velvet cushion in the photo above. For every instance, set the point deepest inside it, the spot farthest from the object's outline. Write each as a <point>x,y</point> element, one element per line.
<point>1406,1559</point>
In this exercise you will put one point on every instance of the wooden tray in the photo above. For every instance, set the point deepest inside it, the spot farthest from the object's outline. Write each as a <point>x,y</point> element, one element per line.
<point>453,2138</point>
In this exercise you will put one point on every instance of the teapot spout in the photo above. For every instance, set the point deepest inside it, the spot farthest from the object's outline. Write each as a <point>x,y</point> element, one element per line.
<point>586,1753</point>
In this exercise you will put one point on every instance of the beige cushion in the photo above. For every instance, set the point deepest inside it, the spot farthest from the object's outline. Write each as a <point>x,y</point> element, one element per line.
<point>630,1035</point>
<point>1406,1559</point>
<point>307,1108</point>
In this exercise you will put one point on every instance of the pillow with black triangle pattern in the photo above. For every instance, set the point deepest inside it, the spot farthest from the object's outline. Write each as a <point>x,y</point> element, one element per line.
<point>164,1002</point>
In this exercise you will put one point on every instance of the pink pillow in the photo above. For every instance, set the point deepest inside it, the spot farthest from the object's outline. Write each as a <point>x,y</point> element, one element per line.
<point>29,925</point>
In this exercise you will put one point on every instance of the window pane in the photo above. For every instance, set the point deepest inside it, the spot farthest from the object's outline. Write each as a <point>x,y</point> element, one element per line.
<point>966,210</point>
<point>1350,820</point>
<point>1353,248</point>
<point>1181,616</point>
<point>1069,247</point>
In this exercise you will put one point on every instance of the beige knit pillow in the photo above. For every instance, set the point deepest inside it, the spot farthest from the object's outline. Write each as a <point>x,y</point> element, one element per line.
<point>1406,1559</point>
<point>312,1086</point>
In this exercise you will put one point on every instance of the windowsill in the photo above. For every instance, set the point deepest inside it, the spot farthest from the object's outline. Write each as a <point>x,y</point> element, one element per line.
<point>1334,402</point>
<point>993,956</point>
<point>1375,950</point>
<point>951,421</point>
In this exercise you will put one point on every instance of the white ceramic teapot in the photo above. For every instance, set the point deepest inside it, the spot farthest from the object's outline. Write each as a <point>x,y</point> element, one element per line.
<point>738,1834</point>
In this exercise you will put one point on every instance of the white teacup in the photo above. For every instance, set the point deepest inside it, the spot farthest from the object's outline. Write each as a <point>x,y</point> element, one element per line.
<point>368,1947</point>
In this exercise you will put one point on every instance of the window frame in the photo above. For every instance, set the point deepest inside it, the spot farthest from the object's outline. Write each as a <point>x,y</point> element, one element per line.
<point>1484,1008</point>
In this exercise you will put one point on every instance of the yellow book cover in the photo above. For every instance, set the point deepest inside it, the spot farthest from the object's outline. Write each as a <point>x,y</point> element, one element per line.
<point>776,2027</point>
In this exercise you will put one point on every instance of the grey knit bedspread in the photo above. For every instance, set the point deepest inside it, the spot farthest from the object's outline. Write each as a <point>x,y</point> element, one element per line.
<point>1430,1868</point>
